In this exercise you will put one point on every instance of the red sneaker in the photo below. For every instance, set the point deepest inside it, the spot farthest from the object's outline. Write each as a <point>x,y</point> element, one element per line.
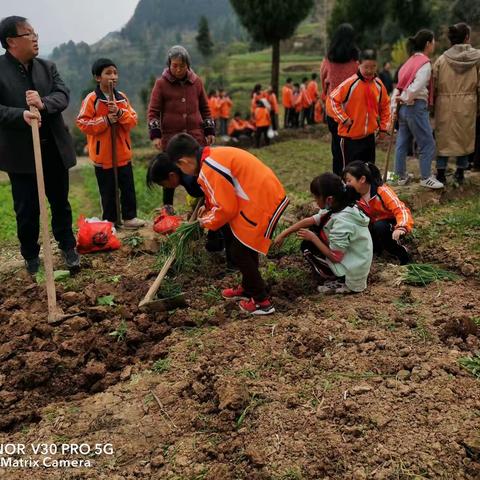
<point>257,308</point>
<point>234,293</point>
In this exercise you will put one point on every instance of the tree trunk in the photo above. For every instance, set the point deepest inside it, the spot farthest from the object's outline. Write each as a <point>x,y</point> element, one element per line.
<point>275,65</point>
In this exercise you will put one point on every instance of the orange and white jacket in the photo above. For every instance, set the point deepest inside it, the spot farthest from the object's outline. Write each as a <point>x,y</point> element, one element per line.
<point>214,105</point>
<point>312,89</point>
<point>225,107</point>
<point>349,101</point>
<point>262,117</point>
<point>384,204</point>
<point>272,99</point>
<point>243,192</point>
<point>287,96</point>
<point>238,125</point>
<point>93,121</point>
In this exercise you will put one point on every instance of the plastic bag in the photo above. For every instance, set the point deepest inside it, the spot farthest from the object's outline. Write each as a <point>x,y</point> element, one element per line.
<point>165,223</point>
<point>95,235</point>
<point>270,132</point>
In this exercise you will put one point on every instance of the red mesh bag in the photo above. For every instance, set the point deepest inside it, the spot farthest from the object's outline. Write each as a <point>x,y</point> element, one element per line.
<point>165,224</point>
<point>95,236</point>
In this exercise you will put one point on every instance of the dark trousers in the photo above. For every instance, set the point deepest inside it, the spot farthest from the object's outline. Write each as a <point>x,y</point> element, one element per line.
<point>223,126</point>
<point>475,157</point>
<point>381,232</point>
<point>246,260</point>
<point>288,118</point>
<point>337,158</point>
<point>274,121</point>
<point>258,133</point>
<point>311,114</point>
<point>247,132</point>
<point>361,149</point>
<point>27,209</point>
<point>106,185</point>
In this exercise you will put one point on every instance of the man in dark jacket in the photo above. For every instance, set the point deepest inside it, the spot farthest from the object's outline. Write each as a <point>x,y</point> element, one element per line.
<point>25,81</point>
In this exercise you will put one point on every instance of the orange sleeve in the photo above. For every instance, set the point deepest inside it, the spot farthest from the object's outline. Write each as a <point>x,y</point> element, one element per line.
<point>392,203</point>
<point>88,121</point>
<point>335,103</point>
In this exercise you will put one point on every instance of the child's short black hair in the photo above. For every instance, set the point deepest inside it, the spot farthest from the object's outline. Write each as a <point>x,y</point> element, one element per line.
<point>331,185</point>
<point>368,54</point>
<point>359,169</point>
<point>100,64</point>
<point>8,28</point>
<point>237,114</point>
<point>182,145</point>
<point>304,80</point>
<point>314,76</point>
<point>289,80</point>
<point>159,168</point>
<point>260,103</point>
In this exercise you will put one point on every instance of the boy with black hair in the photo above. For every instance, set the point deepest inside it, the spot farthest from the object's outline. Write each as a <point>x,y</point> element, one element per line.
<point>242,194</point>
<point>361,107</point>
<point>262,122</point>
<point>98,115</point>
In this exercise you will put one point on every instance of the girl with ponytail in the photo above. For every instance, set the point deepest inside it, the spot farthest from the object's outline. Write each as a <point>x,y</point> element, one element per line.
<point>336,242</point>
<point>390,218</point>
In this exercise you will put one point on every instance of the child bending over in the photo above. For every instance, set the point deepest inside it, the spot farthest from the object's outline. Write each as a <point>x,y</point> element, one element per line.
<point>336,241</point>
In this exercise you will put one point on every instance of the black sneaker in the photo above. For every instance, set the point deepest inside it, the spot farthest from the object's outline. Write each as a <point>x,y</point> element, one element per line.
<point>32,265</point>
<point>72,258</point>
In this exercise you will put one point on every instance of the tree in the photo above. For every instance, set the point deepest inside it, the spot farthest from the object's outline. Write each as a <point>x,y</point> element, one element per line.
<point>466,11</point>
<point>204,42</point>
<point>269,21</point>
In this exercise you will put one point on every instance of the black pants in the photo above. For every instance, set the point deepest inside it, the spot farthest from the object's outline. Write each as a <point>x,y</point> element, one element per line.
<point>274,121</point>
<point>246,260</point>
<point>247,132</point>
<point>475,157</point>
<point>106,185</point>
<point>223,126</point>
<point>288,118</point>
<point>362,149</point>
<point>27,209</point>
<point>381,232</point>
<point>258,133</point>
<point>337,158</point>
<point>316,259</point>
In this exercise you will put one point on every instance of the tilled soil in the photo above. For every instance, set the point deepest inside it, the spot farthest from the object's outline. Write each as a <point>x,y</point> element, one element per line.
<point>330,387</point>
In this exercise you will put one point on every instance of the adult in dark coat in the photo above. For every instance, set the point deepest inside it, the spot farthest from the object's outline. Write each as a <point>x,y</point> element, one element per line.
<point>178,103</point>
<point>24,81</point>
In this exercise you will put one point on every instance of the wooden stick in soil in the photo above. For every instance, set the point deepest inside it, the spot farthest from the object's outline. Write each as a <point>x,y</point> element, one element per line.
<point>113,137</point>
<point>390,143</point>
<point>55,313</point>
<point>148,301</point>
<point>162,408</point>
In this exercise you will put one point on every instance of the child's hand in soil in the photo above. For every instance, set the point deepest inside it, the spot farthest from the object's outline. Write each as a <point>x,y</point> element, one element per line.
<point>397,234</point>
<point>278,241</point>
<point>305,234</point>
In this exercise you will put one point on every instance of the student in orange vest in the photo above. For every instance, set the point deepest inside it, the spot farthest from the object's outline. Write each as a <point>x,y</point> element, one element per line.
<point>214,106</point>
<point>262,123</point>
<point>238,127</point>
<point>306,102</point>
<point>224,109</point>
<point>257,94</point>
<point>97,116</point>
<point>296,105</point>
<point>312,90</point>
<point>244,195</point>
<point>361,107</point>
<point>287,102</point>
<point>272,99</point>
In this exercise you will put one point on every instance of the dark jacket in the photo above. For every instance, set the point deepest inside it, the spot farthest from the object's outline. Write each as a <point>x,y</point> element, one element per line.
<point>178,106</point>
<point>189,182</point>
<point>16,147</point>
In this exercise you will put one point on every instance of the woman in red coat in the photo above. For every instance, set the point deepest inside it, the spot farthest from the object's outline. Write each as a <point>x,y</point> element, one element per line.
<point>178,103</point>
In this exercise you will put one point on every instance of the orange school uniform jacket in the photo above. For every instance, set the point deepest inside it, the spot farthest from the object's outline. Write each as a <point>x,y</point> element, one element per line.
<point>238,125</point>
<point>225,107</point>
<point>287,96</point>
<point>262,117</point>
<point>384,204</point>
<point>93,121</point>
<point>272,99</point>
<point>214,105</point>
<point>365,102</point>
<point>243,192</point>
<point>312,89</point>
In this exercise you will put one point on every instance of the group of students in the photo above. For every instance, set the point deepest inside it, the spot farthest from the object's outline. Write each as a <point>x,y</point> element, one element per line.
<point>301,102</point>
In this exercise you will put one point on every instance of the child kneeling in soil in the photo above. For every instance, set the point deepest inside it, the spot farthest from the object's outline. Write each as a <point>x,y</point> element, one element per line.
<point>243,194</point>
<point>336,241</point>
<point>390,218</point>
<point>98,115</point>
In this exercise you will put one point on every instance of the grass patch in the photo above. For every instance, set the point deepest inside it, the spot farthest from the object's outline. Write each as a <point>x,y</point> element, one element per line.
<point>423,274</point>
<point>162,365</point>
<point>471,364</point>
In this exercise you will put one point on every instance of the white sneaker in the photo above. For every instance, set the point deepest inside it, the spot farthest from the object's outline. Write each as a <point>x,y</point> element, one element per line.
<point>431,182</point>
<point>404,180</point>
<point>133,223</point>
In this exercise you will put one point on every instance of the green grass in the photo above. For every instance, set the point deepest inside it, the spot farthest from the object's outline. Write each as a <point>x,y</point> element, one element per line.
<point>8,228</point>
<point>472,364</point>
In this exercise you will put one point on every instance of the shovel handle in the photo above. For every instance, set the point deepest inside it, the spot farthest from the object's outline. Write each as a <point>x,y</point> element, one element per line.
<point>166,266</point>
<point>53,310</point>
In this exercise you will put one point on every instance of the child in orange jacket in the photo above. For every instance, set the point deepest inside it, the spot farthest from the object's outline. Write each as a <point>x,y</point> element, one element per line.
<point>361,107</point>
<point>262,123</point>
<point>238,127</point>
<point>98,115</point>
<point>243,195</point>
<point>390,218</point>
<point>225,107</point>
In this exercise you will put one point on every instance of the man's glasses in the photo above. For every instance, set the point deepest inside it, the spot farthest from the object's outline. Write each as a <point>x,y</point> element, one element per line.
<point>31,35</point>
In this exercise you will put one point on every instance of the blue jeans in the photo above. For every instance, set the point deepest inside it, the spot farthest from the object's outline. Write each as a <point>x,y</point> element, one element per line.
<point>414,123</point>
<point>462,162</point>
